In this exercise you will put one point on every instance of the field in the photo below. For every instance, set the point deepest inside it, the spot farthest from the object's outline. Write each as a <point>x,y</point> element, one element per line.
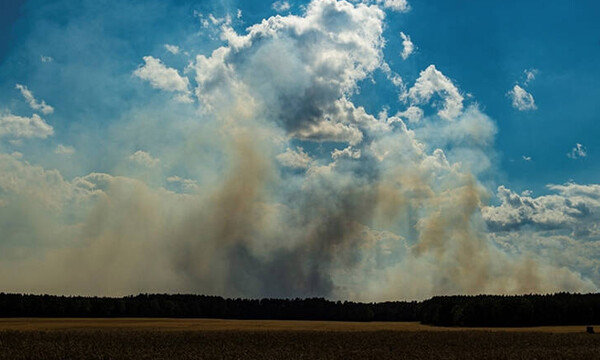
<point>248,339</point>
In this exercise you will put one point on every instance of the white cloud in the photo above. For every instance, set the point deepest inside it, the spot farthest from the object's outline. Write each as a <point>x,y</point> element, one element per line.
<point>396,5</point>
<point>33,103</point>
<point>521,99</point>
<point>579,151</point>
<point>281,6</point>
<point>24,127</point>
<point>526,158</point>
<point>408,46</point>
<point>186,185</point>
<point>40,186</point>
<point>345,153</point>
<point>64,150</point>
<point>46,59</point>
<point>530,75</point>
<point>431,81</point>
<point>296,159</point>
<point>394,77</point>
<point>183,98</point>
<point>298,71</point>
<point>226,20</point>
<point>173,49</point>
<point>329,131</point>
<point>573,209</point>
<point>164,78</point>
<point>143,158</point>
<point>414,114</point>
<point>473,128</point>
<point>214,23</point>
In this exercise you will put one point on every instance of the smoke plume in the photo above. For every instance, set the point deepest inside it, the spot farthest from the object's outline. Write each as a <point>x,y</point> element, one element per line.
<point>377,211</point>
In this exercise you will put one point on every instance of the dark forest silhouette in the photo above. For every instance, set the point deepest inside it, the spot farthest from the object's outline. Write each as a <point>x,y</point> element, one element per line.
<point>481,310</point>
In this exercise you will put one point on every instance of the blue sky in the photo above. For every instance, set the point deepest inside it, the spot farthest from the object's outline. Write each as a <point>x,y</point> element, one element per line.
<point>486,47</point>
<point>483,47</point>
<point>418,98</point>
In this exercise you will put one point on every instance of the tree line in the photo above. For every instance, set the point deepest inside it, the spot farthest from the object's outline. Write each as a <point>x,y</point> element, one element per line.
<point>202,306</point>
<point>480,310</point>
<point>523,310</point>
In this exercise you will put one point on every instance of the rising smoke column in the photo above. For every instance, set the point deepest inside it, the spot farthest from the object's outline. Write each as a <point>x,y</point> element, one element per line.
<point>393,212</point>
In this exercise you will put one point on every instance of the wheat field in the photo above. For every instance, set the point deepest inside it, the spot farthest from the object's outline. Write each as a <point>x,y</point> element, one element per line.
<point>247,339</point>
<point>167,324</point>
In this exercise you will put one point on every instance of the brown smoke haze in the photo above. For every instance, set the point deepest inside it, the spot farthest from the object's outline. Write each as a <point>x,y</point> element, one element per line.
<point>385,234</point>
<point>299,192</point>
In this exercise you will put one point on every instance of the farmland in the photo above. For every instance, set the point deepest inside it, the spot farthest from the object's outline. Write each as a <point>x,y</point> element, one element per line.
<point>260,339</point>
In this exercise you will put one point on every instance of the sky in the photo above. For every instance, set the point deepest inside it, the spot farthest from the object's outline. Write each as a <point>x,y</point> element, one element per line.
<point>365,150</point>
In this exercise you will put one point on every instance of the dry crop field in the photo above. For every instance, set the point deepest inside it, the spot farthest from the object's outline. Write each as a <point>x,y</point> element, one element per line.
<point>247,339</point>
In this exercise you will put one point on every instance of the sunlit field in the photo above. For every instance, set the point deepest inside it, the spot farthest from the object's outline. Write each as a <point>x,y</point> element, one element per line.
<point>231,339</point>
<point>154,324</point>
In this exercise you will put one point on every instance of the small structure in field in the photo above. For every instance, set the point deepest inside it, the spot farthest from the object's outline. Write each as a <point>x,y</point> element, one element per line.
<point>589,329</point>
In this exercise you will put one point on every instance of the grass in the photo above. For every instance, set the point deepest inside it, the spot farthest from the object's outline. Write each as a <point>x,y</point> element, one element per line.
<point>230,339</point>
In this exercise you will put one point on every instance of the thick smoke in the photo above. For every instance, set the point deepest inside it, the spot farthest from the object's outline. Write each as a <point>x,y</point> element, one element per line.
<point>391,213</point>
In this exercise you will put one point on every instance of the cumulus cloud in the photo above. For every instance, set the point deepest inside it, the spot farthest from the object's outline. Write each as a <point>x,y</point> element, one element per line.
<point>413,114</point>
<point>345,153</point>
<point>211,21</point>
<point>64,150</point>
<point>297,159</point>
<point>521,99</point>
<point>281,6</point>
<point>24,127</point>
<point>144,159</point>
<point>173,49</point>
<point>467,139</point>
<point>394,77</point>
<point>396,5</point>
<point>33,103</point>
<point>408,46</point>
<point>579,151</point>
<point>530,75</point>
<point>431,82</point>
<point>472,128</point>
<point>327,52</point>
<point>36,186</point>
<point>164,78</point>
<point>573,207</point>
<point>561,226</point>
